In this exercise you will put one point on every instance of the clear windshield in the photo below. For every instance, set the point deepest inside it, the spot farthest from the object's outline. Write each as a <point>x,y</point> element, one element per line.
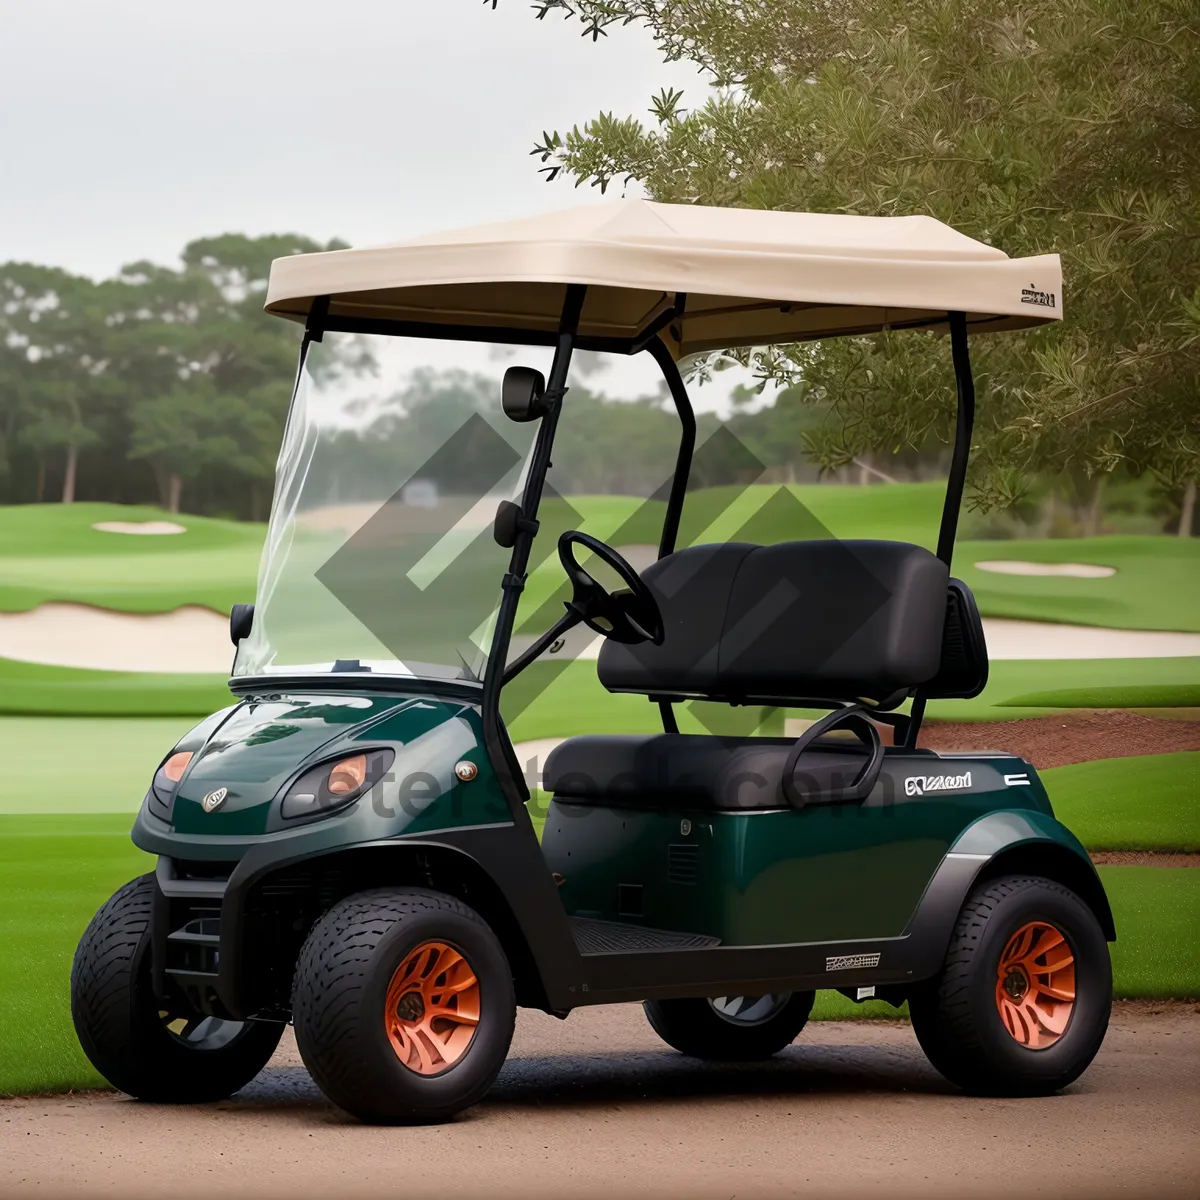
<point>379,553</point>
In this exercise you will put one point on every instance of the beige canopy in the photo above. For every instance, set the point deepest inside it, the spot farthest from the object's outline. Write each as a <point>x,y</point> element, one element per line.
<point>750,277</point>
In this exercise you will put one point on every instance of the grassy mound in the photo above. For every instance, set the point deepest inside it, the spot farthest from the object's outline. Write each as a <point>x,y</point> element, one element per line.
<point>52,553</point>
<point>1144,803</point>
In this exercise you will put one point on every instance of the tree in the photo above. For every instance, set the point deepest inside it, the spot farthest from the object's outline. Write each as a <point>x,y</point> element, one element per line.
<point>1053,125</point>
<point>174,366</point>
<point>60,388</point>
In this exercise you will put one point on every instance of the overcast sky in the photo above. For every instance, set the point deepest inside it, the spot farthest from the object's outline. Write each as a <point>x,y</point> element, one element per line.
<point>131,126</point>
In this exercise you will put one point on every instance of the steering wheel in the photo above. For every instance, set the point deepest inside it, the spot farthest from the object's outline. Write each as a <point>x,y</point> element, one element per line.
<point>629,616</point>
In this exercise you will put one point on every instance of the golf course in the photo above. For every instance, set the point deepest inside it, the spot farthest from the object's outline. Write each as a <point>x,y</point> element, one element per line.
<point>80,744</point>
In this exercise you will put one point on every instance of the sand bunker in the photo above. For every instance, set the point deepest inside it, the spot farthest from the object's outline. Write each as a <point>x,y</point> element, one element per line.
<point>195,639</point>
<point>1015,566</point>
<point>1041,639</point>
<point>188,640</point>
<point>151,527</point>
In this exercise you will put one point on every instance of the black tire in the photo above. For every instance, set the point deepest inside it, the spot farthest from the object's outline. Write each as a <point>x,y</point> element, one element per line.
<point>127,1033</point>
<point>957,1017</point>
<point>698,1028</point>
<point>341,1007</point>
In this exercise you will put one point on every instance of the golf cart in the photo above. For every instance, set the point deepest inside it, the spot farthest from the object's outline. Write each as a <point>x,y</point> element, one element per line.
<point>349,846</point>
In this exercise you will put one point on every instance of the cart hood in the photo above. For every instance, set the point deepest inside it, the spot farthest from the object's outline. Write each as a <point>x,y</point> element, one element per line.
<point>263,743</point>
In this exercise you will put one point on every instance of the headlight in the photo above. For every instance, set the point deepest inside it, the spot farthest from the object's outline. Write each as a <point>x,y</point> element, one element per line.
<point>333,785</point>
<point>166,780</point>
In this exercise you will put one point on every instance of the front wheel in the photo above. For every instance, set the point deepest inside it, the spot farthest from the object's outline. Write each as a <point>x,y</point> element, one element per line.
<point>154,1049</point>
<point>404,1006</point>
<point>731,1028</point>
<point>1022,1003</point>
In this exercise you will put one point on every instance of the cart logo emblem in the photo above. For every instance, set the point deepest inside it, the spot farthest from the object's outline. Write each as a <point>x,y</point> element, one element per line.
<point>851,962</point>
<point>214,800</point>
<point>918,785</point>
<point>1031,295</point>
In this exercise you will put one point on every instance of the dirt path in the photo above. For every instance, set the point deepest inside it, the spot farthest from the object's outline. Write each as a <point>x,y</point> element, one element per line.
<point>1070,737</point>
<point>596,1107</point>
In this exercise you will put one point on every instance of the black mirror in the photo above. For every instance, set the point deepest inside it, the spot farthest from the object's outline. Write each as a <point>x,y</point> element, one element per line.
<point>523,393</point>
<point>506,524</point>
<point>241,620</point>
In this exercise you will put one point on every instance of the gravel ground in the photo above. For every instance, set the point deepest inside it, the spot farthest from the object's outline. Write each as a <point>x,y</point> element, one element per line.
<point>597,1106</point>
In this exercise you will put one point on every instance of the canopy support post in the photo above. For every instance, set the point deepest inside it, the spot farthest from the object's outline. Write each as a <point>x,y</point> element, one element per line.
<point>687,446</point>
<point>964,426</point>
<point>499,748</point>
<point>679,480</point>
<point>956,483</point>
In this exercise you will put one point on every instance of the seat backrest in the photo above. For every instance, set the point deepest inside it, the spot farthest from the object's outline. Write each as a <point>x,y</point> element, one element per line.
<point>963,671</point>
<point>811,620</point>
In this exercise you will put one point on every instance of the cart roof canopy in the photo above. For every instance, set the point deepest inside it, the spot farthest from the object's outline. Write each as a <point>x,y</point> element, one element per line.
<point>750,277</point>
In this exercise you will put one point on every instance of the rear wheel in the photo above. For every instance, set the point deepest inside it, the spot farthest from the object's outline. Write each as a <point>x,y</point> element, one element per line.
<point>159,1050</point>
<point>731,1028</point>
<point>1022,1003</point>
<point>404,1006</point>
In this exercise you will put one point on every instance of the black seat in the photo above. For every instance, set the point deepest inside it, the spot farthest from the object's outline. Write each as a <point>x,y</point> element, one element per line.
<point>815,620</point>
<point>857,623</point>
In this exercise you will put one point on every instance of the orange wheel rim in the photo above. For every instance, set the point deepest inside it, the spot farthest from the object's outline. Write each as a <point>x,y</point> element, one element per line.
<point>432,1008</point>
<point>1035,985</point>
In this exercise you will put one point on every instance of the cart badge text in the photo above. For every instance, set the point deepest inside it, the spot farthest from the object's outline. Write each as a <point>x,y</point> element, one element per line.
<point>918,785</point>
<point>214,800</point>
<point>1031,295</point>
<point>851,962</point>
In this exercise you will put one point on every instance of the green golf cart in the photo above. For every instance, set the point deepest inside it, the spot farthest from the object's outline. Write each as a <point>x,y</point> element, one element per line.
<point>349,846</point>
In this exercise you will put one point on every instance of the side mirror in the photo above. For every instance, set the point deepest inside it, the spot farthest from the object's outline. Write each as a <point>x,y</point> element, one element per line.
<point>241,620</point>
<point>522,394</point>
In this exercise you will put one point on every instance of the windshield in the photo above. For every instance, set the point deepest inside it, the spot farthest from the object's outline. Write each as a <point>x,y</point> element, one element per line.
<point>379,553</point>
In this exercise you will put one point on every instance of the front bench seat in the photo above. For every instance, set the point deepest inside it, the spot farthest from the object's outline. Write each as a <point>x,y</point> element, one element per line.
<point>822,622</point>
<point>693,771</point>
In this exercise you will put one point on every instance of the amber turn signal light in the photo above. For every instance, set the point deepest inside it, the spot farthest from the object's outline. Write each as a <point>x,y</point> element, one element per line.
<point>175,766</point>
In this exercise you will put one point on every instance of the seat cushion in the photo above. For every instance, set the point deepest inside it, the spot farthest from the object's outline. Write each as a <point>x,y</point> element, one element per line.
<point>693,771</point>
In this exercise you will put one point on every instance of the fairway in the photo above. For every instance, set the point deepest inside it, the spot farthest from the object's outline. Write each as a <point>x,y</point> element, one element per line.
<point>52,553</point>
<point>55,871</point>
<point>82,765</point>
<point>35,689</point>
<point>64,848</point>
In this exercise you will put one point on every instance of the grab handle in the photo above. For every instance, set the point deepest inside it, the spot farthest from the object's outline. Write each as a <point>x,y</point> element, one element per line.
<point>860,787</point>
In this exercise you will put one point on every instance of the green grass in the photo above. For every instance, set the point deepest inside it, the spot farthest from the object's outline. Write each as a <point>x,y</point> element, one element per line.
<point>1151,802</point>
<point>52,553</point>
<point>72,786</point>
<point>1155,586</point>
<point>1033,687</point>
<point>1132,696</point>
<point>575,702</point>
<point>1157,913</point>
<point>37,689</point>
<point>82,765</point>
<point>55,871</point>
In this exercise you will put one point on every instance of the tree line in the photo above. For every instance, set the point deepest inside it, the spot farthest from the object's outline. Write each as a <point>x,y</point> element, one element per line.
<point>163,384</point>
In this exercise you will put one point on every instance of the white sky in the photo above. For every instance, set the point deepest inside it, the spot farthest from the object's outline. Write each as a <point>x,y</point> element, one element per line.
<point>128,128</point>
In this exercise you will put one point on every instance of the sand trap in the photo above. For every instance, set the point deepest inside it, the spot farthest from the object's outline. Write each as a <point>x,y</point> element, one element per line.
<point>1041,639</point>
<point>152,527</point>
<point>1015,566</point>
<point>195,639</point>
<point>188,640</point>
